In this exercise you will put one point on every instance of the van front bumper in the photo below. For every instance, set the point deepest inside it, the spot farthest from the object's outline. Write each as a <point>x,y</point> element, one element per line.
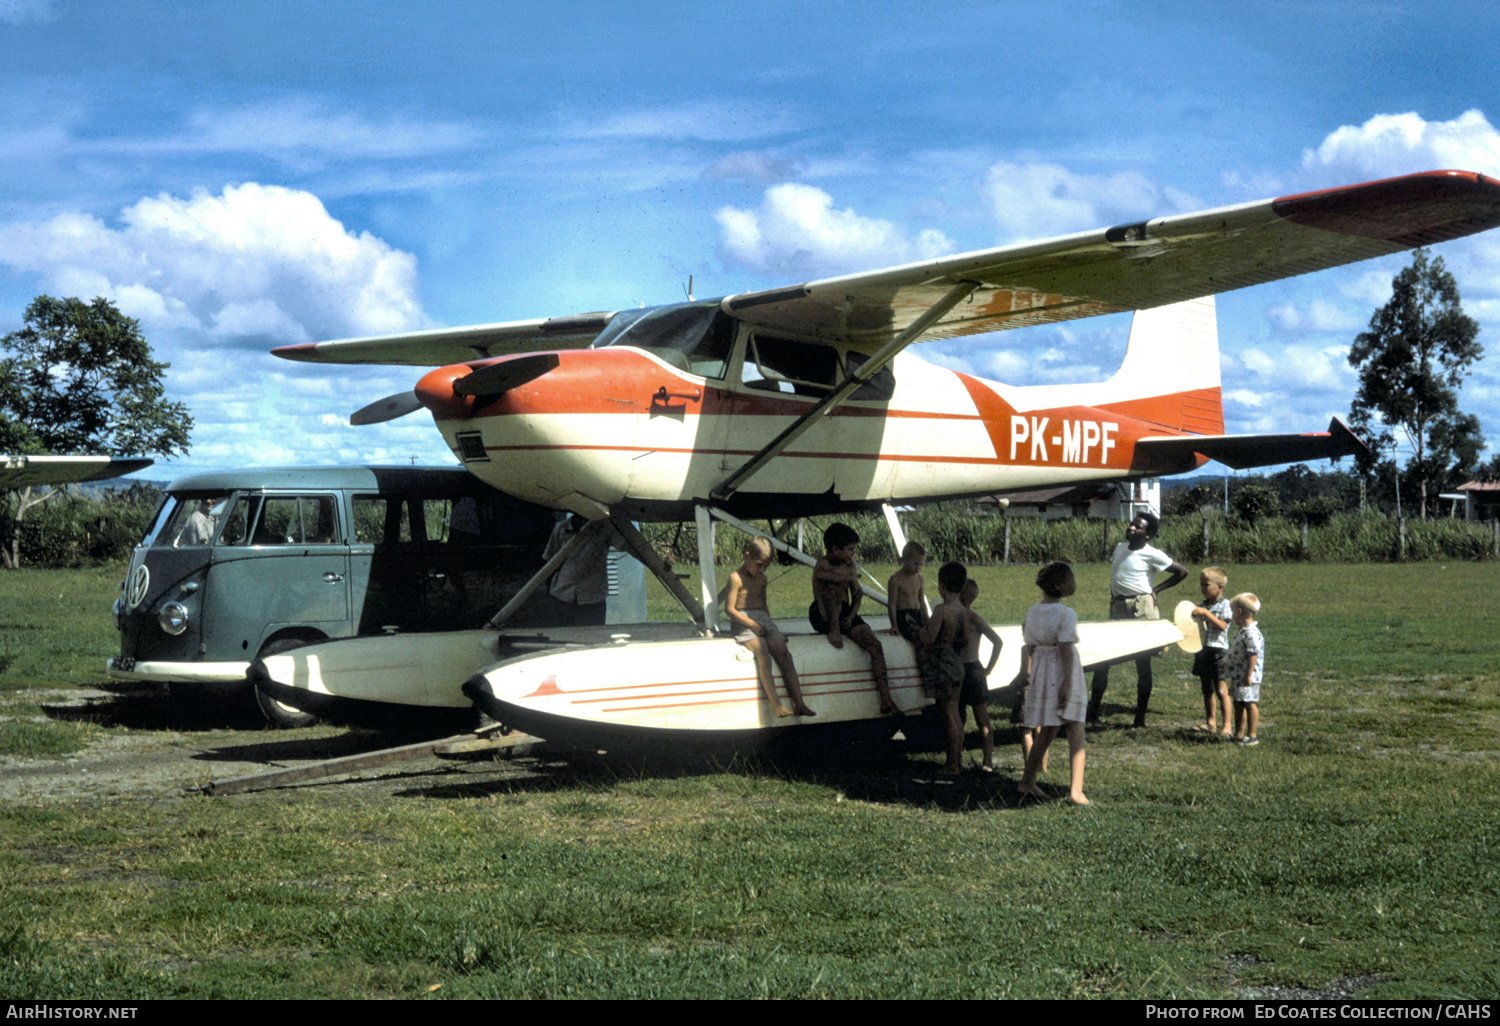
<point>122,668</point>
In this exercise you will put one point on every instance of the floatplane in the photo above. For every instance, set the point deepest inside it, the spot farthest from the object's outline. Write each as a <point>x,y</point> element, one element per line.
<point>805,400</point>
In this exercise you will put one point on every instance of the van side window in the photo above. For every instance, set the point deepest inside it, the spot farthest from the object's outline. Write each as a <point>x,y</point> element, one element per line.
<point>237,523</point>
<point>437,514</point>
<point>298,520</point>
<point>382,520</point>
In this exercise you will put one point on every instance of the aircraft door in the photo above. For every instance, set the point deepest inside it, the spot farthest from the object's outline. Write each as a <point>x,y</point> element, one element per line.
<point>782,379</point>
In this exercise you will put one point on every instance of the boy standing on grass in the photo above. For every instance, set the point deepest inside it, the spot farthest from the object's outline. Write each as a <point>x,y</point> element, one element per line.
<point>906,593</point>
<point>745,601</point>
<point>939,657</point>
<point>976,689</point>
<point>1245,667</point>
<point>835,606</point>
<point>1208,665</point>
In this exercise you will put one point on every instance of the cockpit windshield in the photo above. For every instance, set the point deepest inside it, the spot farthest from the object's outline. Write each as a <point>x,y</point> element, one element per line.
<point>694,337</point>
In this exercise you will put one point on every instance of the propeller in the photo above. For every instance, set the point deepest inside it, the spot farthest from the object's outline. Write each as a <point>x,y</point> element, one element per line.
<point>389,408</point>
<point>502,377</point>
<point>483,382</point>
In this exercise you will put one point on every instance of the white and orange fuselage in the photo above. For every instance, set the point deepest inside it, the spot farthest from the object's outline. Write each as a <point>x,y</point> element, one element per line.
<point>622,429</point>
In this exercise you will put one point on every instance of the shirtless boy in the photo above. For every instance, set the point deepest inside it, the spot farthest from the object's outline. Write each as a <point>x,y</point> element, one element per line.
<point>835,606</point>
<point>976,688</point>
<point>907,593</point>
<point>941,660</point>
<point>745,602</point>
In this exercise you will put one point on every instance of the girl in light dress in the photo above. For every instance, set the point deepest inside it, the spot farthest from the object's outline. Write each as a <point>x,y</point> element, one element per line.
<point>1055,694</point>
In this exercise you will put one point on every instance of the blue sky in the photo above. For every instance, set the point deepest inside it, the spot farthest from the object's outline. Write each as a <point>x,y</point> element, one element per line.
<point>244,175</point>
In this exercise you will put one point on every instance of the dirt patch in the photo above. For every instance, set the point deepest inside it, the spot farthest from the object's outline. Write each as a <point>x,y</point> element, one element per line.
<point>152,748</point>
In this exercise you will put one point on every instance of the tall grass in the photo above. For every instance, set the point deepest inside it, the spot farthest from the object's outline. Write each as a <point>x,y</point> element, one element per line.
<point>957,532</point>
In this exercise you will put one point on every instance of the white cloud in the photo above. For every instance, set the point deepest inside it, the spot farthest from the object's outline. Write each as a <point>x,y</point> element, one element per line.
<point>22,12</point>
<point>1396,144</point>
<point>797,232</point>
<point>708,121</point>
<point>1295,369</point>
<point>1032,201</point>
<point>753,166</point>
<point>256,265</point>
<point>1317,315</point>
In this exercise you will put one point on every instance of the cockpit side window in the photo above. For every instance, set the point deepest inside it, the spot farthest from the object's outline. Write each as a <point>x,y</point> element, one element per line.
<point>777,364</point>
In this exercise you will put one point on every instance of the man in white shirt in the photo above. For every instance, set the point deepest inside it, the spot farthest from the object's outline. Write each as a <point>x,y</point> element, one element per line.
<point>1132,596</point>
<point>581,584</point>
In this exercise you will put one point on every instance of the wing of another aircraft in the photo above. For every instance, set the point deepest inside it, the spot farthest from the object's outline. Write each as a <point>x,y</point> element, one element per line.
<point>23,471</point>
<point>1109,270</point>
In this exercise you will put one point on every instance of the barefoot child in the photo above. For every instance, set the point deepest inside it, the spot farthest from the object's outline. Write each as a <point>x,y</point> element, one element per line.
<point>835,606</point>
<point>906,593</point>
<point>1213,629</point>
<point>939,657</point>
<point>745,602</point>
<point>976,676</point>
<point>1245,667</point>
<point>1055,696</point>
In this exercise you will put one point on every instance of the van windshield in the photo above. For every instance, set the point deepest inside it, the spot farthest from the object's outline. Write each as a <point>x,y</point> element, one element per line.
<point>186,519</point>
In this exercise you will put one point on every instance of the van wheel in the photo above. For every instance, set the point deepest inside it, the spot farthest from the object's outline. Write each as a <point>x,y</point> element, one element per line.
<point>279,714</point>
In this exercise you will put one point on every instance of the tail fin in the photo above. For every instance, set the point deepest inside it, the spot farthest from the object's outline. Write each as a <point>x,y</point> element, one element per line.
<point>1170,375</point>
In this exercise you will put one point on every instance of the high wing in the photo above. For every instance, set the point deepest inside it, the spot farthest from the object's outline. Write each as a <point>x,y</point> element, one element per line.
<point>1126,267</point>
<point>1136,266</point>
<point>24,471</point>
<point>455,345</point>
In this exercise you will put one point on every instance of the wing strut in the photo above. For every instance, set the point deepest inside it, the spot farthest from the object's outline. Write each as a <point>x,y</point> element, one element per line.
<point>851,384</point>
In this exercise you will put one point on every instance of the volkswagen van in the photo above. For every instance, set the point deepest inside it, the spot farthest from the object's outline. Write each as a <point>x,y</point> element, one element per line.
<point>242,564</point>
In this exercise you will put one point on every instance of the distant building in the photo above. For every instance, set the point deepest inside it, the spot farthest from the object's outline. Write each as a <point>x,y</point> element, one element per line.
<point>1483,500</point>
<point>1112,501</point>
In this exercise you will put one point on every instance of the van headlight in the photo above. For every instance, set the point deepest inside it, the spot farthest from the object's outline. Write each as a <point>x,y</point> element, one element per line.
<point>173,618</point>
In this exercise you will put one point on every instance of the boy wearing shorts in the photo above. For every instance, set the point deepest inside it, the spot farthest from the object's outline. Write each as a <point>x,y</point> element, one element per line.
<point>1208,665</point>
<point>745,602</point>
<point>1245,667</point>
<point>835,607</point>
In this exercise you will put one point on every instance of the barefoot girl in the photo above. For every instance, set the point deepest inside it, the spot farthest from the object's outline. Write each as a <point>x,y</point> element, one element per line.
<point>1055,695</point>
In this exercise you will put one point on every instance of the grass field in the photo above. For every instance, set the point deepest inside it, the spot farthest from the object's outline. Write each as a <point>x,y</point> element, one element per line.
<point>1356,851</point>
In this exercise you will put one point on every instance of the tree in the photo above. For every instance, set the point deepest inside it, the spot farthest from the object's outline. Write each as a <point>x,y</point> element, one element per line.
<point>79,379</point>
<point>1412,359</point>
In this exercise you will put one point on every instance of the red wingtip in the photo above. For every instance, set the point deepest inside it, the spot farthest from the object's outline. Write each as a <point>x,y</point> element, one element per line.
<point>304,351</point>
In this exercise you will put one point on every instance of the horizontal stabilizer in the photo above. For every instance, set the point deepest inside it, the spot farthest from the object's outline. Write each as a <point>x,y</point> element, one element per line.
<point>1244,451</point>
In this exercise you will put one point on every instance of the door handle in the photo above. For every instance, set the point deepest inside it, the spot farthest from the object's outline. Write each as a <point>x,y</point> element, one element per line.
<point>333,578</point>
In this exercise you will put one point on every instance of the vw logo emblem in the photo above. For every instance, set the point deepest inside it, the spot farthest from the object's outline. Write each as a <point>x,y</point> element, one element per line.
<point>135,591</point>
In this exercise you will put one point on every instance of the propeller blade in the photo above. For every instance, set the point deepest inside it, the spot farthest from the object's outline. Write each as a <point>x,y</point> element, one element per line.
<point>503,376</point>
<point>389,408</point>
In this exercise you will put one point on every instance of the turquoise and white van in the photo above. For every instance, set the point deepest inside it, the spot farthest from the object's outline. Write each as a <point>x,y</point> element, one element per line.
<point>241,564</point>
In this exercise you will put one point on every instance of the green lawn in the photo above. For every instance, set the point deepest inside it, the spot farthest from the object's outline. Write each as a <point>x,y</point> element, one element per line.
<point>1353,851</point>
